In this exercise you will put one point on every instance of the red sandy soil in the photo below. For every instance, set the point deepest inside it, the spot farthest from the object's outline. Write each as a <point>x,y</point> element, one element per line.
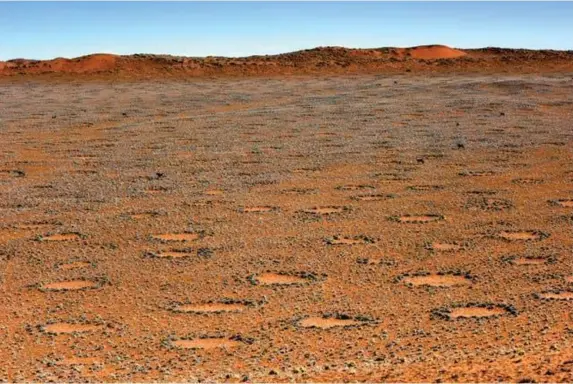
<point>326,60</point>
<point>371,227</point>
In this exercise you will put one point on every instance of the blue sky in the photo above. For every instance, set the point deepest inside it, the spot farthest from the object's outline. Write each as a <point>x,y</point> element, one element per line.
<point>50,29</point>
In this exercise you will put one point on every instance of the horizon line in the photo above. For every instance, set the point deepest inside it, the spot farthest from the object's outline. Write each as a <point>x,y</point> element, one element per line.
<point>282,53</point>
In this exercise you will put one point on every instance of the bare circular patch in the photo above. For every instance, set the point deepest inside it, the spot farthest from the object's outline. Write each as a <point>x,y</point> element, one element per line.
<point>326,210</point>
<point>70,285</point>
<point>258,209</point>
<point>143,215</point>
<point>527,181</point>
<point>468,312</point>
<point>327,322</point>
<point>481,192</point>
<point>305,170</point>
<point>35,225</point>
<point>444,247</point>
<point>347,240</point>
<point>207,343</point>
<point>529,261</point>
<point>214,192</point>
<point>556,295</point>
<point>425,188</point>
<point>186,236</point>
<point>63,328</point>
<point>474,310</point>
<point>299,191</point>
<point>375,261</point>
<point>391,176</point>
<point>477,173</point>
<point>61,237</point>
<point>372,197</point>
<point>566,203</point>
<point>334,320</point>
<point>270,278</point>
<point>74,265</point>
<point>211,307</point>
<point>437,280</point>
<point>79,361</point>
<point>156,190</point>
<point>418,219</point>
<point>523,235</point>
<point>354,187</point>
<point>84,171</point>
<point>6,173</point>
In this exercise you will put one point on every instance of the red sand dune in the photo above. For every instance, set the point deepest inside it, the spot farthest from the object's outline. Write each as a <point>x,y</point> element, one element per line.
<point>91,63</point>
<point>432,52</point>
<point>85,64</point>
<point>321,60</point>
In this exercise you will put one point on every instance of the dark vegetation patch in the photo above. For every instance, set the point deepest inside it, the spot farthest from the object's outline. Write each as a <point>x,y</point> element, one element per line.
<point>527,181</point>
<point>349,240</point>
<point>488,204</point>
<point>476,173</point>
<point>12,173</point>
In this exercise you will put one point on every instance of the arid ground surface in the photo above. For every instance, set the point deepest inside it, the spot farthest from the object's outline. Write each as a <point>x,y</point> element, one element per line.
<point>352,228</point>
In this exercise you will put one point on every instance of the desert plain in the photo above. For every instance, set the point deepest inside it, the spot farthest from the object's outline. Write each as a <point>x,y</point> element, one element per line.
<point>392,226</point>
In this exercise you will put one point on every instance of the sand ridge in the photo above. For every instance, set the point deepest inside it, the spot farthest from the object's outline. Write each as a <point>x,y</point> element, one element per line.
<point>320,60</point>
